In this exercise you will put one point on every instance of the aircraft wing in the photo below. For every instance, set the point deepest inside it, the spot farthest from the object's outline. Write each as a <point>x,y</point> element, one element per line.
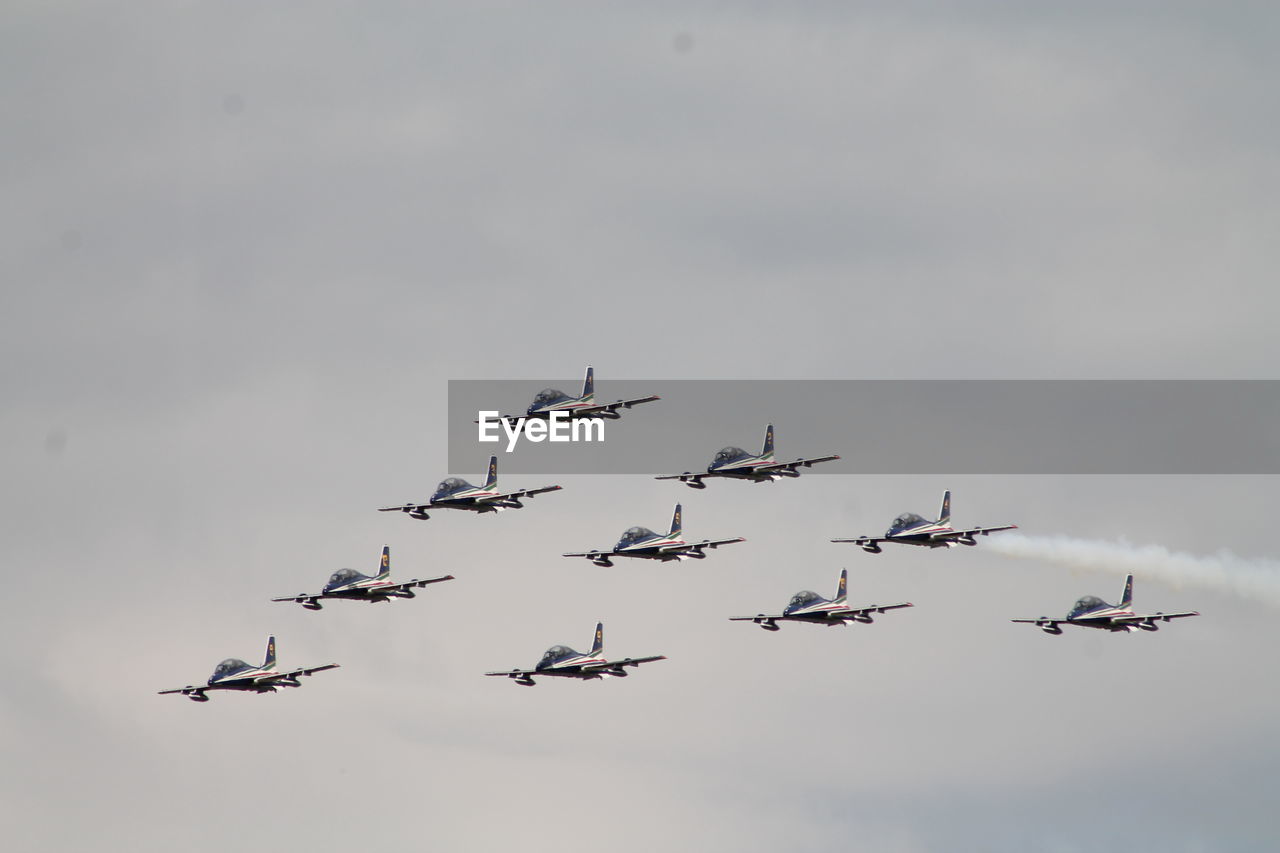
<point>190,688</point>
<point>590,555</point>
<point>512,421</point>
<point>791,466</point>
<point>864,540</point>
<point>973,531</point>
<point>618,664</point>
<point>1153,617</point>
<point>874,608</point>
<point>705,543</point>
<point>300,598</point>
<point>610,408</point>
<point>516,673</point>
<point>415,583</point>
<point>405,508</point>
<point>295,673</point>
<point>523,493</point>
<point>760,617</point>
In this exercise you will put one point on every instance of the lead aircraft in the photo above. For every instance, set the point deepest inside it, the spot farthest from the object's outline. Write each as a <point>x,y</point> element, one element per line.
<point>911,529</point>
<point>564,662</point>
<point>235,674</point>
<point>1093,612</point>
<point>550,400</point>
<point>738,464</point>
<point>808,606</point>
<point>350,584</point>
<point>456,493</point>
<point>643,543</point>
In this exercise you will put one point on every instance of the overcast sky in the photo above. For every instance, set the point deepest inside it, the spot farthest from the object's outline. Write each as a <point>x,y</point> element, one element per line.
<point>245,246</point>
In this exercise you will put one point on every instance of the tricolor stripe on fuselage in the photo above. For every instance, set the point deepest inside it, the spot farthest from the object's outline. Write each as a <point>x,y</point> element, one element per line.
<point>247,675</point>
<point>661,542</point>
<point>566,406</point>
<point>572,666</point>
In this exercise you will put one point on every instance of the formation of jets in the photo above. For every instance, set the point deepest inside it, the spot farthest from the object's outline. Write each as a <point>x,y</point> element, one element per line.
<point>643,543</point>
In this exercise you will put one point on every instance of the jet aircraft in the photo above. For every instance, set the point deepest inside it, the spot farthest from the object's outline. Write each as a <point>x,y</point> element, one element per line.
<point>565,662</point>
<point>456,493</point>
<point>911,529</point>
<point>235,674</point>
<point>808,606</point>
<point>644,543</point>
<point>350,584</point>
<point>1093,612</point>
<point>738,464</point>
<point>550,400</point>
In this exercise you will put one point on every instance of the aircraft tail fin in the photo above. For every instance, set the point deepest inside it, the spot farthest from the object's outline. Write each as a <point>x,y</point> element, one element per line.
<point>944,517</point>
<point>768,443</point>
<point>269,661</point>
<point>589,386</point>
<point>842,591</point>
<point>597,644</point>
<point>492,480</point>
<point>676,524</point>
<point>1127,600</point>
<point>384,568</point>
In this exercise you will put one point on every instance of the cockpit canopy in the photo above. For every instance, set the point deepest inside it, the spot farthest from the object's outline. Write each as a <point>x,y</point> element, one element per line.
<point>452,484</point>
<point>803,598</point>
<point>548,396</point>
<point>228,666</point>
<point>634,535</point>
<point>1086,604</point>
<point>555,653</point>
<point>907,519</point>
<point>343,576</point>
<point>729,454</point>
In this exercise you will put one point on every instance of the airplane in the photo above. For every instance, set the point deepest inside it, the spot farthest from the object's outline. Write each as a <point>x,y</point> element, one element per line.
<point>911,529</point>
<point>644,543</point>
<point>456,493</point>
<point>1093,612</point>
<point>235,674</point>
<point>550,400</point>
<point>565,662</point>
<point>738,464</point>
<point>808,606</point>
<point>348,583</point>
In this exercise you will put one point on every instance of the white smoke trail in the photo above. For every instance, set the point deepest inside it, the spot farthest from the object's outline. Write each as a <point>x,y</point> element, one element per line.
<point>1253,579</point>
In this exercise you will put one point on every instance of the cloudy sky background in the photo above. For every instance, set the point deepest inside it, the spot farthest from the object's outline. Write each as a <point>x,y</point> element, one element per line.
<point>245,249</point>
